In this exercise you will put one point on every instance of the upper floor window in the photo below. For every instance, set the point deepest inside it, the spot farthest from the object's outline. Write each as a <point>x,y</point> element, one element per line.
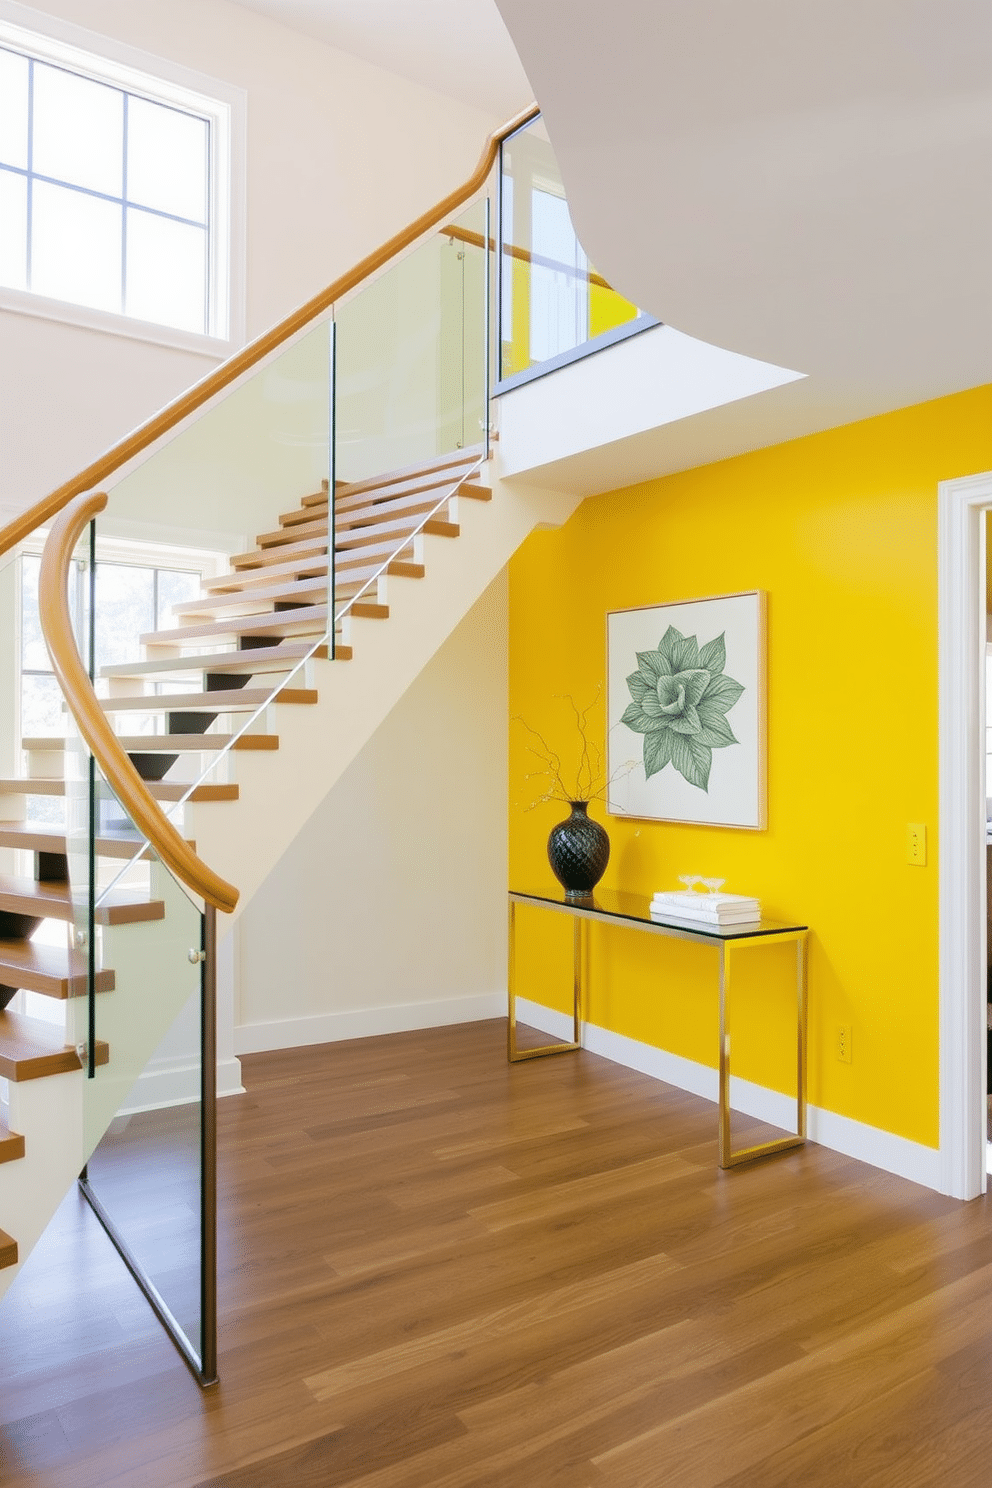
<point>113,188</point>
<point>553,306</point>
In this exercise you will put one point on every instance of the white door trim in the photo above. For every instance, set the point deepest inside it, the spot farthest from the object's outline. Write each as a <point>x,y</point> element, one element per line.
<point>961,845</point>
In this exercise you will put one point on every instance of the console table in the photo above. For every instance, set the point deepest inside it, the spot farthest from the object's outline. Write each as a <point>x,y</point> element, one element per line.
<point>610,907</point>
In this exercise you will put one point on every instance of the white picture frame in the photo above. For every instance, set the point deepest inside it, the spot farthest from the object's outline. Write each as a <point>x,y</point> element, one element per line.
<point>686,711</point>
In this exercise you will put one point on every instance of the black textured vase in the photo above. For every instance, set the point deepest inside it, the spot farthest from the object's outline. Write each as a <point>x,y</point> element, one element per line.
<point>578,851</point>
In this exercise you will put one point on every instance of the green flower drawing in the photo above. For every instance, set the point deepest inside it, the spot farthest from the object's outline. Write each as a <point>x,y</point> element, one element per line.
<point>681,698</point>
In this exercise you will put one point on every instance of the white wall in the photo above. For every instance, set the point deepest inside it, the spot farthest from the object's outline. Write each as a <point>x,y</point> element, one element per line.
<point>389,909</point>
<point>340,155</point>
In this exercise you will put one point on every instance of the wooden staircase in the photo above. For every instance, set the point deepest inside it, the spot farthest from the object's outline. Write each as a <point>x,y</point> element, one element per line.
<point>228,650</point>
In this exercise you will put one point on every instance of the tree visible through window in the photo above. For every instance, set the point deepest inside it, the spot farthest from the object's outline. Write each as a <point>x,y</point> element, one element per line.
<point>105,196</point>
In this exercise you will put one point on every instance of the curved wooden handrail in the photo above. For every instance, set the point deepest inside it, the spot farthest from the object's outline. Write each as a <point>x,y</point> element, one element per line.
<point>131,791</point>
<point>201,392</point>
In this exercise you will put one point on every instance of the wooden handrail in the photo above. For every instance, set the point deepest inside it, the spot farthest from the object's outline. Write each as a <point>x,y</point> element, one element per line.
<point>514,250</point>
<point>201,392</point>
<point>127,784</point>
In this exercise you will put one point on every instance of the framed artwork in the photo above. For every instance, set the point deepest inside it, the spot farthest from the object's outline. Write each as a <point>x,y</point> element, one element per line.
<point>686,711</point>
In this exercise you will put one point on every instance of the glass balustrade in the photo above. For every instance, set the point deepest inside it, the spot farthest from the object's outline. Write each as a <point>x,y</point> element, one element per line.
<point>223,574</point>
<point>553,305</point>
<point>207,587</point>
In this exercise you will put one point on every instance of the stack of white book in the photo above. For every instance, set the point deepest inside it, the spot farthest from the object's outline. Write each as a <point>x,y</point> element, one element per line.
<point>707,909</point>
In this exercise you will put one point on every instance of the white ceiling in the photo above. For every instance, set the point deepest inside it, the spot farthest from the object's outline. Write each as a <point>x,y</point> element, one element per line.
<point>457,47</point>
<point>808,182</point>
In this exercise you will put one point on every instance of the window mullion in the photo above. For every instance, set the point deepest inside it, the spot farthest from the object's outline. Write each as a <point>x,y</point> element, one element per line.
<point>30,181</point>
<point>124,212</point>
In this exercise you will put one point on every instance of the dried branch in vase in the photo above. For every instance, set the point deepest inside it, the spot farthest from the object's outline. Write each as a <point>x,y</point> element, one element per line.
<point>591,782</point>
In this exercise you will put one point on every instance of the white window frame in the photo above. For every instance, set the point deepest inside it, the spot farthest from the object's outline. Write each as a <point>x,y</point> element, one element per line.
<point>50,39</point>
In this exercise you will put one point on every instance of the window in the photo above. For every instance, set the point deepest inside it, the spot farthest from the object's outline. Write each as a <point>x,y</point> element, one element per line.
<point>131,599</point>
<point>114,188</point>
<point>559,289</point>
<point>553,306</point>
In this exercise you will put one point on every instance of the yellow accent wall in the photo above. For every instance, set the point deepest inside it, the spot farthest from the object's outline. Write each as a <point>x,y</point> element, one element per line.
<point>840,530</point>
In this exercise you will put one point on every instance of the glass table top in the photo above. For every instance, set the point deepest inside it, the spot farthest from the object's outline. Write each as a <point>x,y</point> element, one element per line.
<point>620,905</point>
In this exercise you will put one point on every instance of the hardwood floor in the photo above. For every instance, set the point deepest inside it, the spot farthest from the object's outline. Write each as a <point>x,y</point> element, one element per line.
<point>440,1271</point>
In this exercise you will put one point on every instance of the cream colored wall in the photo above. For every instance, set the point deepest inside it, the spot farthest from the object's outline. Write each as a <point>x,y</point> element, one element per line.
<point>388,910</point>
<point>340,155</point>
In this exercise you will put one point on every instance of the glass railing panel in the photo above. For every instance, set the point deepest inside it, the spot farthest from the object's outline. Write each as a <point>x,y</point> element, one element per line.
<point>78,864</point>
<point>223,479</point>
<point>552,302</point>
<point>411,360</point>
<point>177,522</point>
<point>143,1109</point>
<point>143,1112</point>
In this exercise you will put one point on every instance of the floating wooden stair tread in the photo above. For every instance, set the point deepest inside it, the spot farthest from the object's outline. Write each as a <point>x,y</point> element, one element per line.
<point>297,568</point>
<point>51,970</point>
<point>400,568</point>
<point>8,1251</point>
<point>302,514</point>
<point>423,492</point>
<point>31,1049</point>
<point>310,547</point>
<point>32,837</point>
<point>316,527</point>
<point>250,663</point>
<point>304,590</point>
<point>374,514</point>
<point>384,535</point>
<point>162,790</point>
<point>11,1145</point>
<point>307,620</point>
<point>360,553</point>
<point>364,609</point>
<point>465,458</point>
<point>171,743</point>
<point>53,901</point>
<point>233,700</point>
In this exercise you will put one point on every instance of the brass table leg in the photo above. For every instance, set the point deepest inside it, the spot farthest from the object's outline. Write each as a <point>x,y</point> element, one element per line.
<point>513,1054</point>
<point>729,1158</point>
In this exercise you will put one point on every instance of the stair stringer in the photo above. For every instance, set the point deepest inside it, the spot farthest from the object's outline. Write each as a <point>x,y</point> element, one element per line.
<point>244,840</point>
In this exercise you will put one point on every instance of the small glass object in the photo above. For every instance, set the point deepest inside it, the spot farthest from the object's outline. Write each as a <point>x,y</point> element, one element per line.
<point>711,885</point>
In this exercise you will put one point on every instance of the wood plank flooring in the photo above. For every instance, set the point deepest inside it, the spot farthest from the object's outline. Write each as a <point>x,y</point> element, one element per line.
<point>440,1271</point>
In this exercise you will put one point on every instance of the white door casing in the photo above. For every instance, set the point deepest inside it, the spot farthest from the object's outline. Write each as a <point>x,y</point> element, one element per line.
<point>961,505</point>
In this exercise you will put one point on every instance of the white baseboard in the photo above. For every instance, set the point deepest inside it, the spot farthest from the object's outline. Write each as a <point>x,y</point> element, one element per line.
<point>329,1028</point>
<point>869,1144</point>
<point>176,1082</point>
